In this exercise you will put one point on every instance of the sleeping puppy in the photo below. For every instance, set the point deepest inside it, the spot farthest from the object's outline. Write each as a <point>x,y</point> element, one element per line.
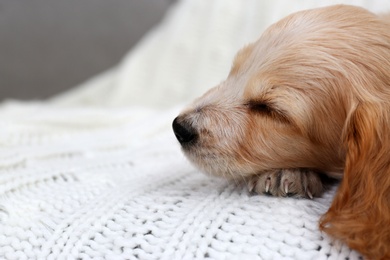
<point>309,100</point>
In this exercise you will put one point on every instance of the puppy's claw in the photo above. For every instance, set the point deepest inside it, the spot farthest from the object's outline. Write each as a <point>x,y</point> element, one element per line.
<point>309,194</point>
<point>285,185</point>
<point>251,184</point>
<point>267,185</point>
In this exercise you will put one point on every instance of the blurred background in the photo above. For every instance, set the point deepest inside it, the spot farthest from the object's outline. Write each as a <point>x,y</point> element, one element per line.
<point>112,53</point>
<point>47,46</point>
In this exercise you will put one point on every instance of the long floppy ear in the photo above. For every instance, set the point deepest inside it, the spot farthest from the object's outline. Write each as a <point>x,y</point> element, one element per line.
<point>360,212</point>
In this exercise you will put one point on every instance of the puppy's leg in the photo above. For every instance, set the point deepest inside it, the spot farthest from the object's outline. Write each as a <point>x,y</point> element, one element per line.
<point>289,183</point>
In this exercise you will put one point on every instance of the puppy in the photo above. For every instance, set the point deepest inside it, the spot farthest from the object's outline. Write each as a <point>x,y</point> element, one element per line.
<point>309,100</point>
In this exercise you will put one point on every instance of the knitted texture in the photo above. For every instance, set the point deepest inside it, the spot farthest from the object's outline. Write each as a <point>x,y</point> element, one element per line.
<point>113,184</point>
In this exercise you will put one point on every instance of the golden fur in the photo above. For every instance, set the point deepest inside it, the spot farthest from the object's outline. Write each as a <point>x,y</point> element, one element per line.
<point>310,98</point>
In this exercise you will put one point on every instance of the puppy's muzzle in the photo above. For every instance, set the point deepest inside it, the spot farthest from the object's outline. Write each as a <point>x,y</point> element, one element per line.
<point>184,132</point>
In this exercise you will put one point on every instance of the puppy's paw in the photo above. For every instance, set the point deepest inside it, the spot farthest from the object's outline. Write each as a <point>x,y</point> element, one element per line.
<point>288,183</point>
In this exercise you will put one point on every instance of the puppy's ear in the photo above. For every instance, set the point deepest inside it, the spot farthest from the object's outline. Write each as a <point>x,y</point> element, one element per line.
<point>360,212</point>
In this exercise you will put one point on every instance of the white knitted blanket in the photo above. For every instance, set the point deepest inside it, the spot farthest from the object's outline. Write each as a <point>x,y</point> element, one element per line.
<point>113,184</point>
<point>82,181</point>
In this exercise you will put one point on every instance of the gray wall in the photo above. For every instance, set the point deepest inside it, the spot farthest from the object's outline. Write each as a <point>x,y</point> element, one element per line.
<point>47,46</point>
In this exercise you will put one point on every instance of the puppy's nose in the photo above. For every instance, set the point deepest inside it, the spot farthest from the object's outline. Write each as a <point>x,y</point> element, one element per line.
<point>183,131</point>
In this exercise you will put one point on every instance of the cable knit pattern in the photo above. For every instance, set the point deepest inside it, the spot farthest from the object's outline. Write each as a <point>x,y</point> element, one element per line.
<point>111,183</point>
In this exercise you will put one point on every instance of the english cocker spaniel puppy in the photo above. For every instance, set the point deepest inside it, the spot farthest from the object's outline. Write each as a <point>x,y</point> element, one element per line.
<point>307,101</point>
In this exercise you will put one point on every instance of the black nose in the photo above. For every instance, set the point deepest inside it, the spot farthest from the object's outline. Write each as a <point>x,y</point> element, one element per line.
<point>183,131</point>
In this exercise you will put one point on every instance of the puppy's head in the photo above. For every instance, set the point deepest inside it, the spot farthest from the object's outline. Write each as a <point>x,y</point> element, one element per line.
<point>288,95</point>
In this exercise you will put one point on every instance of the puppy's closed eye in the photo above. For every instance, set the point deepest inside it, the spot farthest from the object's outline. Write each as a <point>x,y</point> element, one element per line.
<point>259,107</point>
<point>267,109</point>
